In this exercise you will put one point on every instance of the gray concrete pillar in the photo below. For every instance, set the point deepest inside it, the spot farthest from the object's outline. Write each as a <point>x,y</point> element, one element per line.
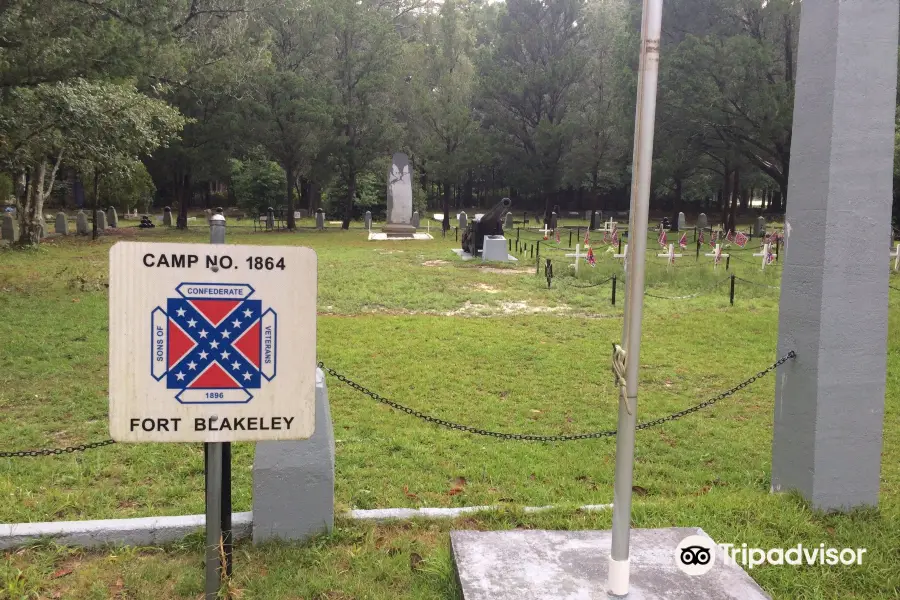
<point>293,482</point>
<point>829,403</point>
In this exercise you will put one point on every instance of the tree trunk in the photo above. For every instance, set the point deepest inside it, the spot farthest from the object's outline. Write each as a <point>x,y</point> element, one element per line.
<point>446,205</point>
<point>95,204</point>
<point>351,196</point>
<point>676,208</point>
<point>735,196</point>
<point>184,197</point>
<point>595,200</point>
<point>31,220</point>
<point>289,178</point>
<point>725,196</point>
<point>468,200</point>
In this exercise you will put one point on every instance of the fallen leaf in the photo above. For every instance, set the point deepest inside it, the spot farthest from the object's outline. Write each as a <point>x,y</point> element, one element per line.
<point>668,383</point>
<point>460,481</point>
<point>119,583</point>
<point>639,490</point>
<point>455,491</point>
<point>408,493</point>
<point>830,530</point>
<point>76,300</point>
<point>414,561</point>
<point>61,573</point>
<point>536,411</point>
<point>57,594</point>
<point>704,490</point>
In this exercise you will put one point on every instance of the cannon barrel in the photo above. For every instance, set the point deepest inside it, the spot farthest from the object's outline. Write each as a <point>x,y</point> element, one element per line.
<point>497,211</point>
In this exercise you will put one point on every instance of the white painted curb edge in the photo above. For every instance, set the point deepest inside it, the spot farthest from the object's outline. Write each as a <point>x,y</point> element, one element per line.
<point>156,531</point>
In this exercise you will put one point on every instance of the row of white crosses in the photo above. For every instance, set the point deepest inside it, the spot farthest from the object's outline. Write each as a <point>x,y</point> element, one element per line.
<point>766,253</point>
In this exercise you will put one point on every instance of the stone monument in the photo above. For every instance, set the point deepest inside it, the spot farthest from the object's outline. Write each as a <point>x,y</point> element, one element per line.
<point>702,222</point>
<point>9,231</point>
<point>167,216</point>
<point>320,219</point>
<point>368,219</point>
<point>100,219</point>
<point>62,224</point>
<point>415,219</point>
<point>270,218</point>
<point>112,216</point>
<point>829,400</point>
<point>462,220</point>
<point>682,222</point>
<point>553,220</point>
<point>759,229</point>
<point>81,223</point>
<point>399,199</point>
<point>508,221</point>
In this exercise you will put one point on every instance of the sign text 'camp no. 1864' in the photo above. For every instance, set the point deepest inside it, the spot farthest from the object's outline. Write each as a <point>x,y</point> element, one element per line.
<point>211,343</point>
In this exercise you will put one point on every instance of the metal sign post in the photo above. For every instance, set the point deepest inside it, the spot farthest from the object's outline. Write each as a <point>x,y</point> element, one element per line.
<point>197,333</point>
<point>619,564</point>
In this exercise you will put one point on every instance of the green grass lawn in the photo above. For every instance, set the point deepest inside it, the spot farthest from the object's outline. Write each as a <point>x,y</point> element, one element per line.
<point>490,347</point>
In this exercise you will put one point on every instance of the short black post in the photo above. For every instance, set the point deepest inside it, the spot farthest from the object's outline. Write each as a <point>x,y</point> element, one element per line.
<point>518,230</point>
<point>695,233</point>
<point>577,237</point>
<point>727,262</point>
<point>732,290</point>
<point>510,244</point>
<point>525,218</point>
<point>537,266</point>
<point>620,246</point>
<point>456,235</point>
<point>777,247</point>
<point>532,251</point>
<point>570,238</point>
<point>698,247</point>
<point>614,290</point>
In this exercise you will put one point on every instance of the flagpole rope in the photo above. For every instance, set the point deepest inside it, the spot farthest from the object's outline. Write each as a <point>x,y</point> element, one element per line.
<point>618,368</point>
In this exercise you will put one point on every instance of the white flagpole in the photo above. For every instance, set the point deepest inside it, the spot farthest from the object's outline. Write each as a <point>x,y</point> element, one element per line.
<point>645,117</point>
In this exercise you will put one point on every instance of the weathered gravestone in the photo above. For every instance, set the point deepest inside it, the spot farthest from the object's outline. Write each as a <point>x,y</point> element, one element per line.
<point>462,220</point>
<point>415,219</point>
<point>112,216</point>
<point>759,229</point>
<point>399,198</point>
<point>62,224</point>
<point>829,400</point>
<point>270,218</point>
<point>320,219</point>
<point>553,220</point>
<point>9,231</point>
<point>167,216</point>
<point>702,222</point>
<point>508,222</point>
<point>682,222</point>
<point>100,219</point>
<point>81,223</point>
<point>293,482</point>
<point>368,219</point>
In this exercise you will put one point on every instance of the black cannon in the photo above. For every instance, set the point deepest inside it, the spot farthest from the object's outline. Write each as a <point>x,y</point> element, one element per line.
<point>491,223</point>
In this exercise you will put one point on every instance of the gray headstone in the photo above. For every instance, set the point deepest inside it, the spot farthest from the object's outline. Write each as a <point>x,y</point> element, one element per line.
<point>9,231</point>
<point>415,219</point>
<point>508,222</point>
<point>368,219</point>
<point>702,222</point>
<point>682,221</point>
<point>553,220</point>
<point>399,191</point>
<point>81,223</point>
<point>320,219</point>
<point>463,220</point>
<point>270,218</point>
<point>587,216</point>
<point>829,401</point>
<point>303,213</point>
<point>293,482</point>
<point>62,224</point>
<point>759,229</point>
<point>167,216</point>
<point>100,216</point>
<point>112,216</point>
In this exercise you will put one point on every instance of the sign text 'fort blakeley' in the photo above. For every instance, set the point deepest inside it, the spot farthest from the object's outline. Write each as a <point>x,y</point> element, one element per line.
<point>211,343</point>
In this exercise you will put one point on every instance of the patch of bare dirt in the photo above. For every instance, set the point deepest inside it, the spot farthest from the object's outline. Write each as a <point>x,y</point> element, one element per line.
<point>435,263</point>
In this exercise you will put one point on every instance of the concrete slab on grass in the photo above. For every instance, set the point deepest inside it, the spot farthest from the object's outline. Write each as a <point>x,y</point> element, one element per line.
<point>572,565</point>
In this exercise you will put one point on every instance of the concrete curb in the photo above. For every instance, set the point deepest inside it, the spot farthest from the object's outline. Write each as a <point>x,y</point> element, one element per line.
<point>157,531</point>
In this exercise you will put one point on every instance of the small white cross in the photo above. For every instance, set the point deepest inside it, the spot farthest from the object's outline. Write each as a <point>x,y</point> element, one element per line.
<point>609,226</point>
<point>717,254</point>
<point>624,255</point>
<point>576,256</point>
<point>766,250</point>
<point>670,255</point>
<point>896,256</point>
<point>546,231</point>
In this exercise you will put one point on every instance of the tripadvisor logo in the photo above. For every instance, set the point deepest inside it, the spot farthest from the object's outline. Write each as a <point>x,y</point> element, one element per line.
<point>696,555</point>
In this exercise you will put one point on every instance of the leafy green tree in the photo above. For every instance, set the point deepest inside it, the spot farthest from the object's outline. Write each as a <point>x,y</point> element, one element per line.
<point>257,183</point>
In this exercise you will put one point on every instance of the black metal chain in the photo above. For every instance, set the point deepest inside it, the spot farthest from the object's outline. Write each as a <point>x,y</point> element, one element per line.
<point>695,295</point>
<point>593,285</point>
<point>553,438</point>
<point>57,451</point>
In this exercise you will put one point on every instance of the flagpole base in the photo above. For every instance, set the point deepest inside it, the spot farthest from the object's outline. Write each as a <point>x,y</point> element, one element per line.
<point>618,578</point>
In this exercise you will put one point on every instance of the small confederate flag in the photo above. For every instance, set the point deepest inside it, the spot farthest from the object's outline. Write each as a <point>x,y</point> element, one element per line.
<point>683,241</point>
<point>713,236</point>
<point>770,257</point>
<point>730,236</point>
<point>663,241</point>
<point>740,239</point>
<point>557,236</point>
<point>615,237</point>
<point>700,239</point>
<point>587,237</point>
<point>590,257</point>
<point>606,239</point>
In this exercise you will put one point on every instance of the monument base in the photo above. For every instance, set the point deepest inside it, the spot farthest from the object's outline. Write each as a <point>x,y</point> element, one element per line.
<point>557,565</point>
<point>399,230</point>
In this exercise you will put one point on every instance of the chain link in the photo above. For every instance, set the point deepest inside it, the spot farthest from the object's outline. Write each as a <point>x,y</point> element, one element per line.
<point>552,438</point>
<point>57,451</point>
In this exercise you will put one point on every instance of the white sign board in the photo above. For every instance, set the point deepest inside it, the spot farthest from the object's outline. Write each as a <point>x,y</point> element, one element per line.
<point>211,343</point>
